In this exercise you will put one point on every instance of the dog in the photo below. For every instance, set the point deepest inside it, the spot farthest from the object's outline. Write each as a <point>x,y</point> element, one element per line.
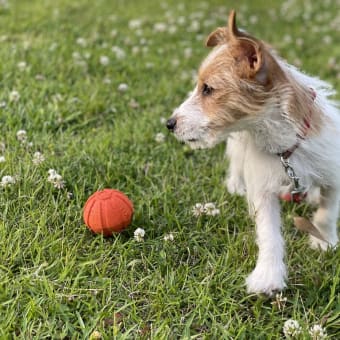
<point>282,133</point>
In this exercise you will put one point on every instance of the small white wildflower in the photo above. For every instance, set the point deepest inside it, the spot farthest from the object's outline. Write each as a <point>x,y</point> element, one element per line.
<point>280,301</point>
<point>55,179</point>
<point>81,42</point>
<point>317,332</point>
<point>87,55</point>
<point>194,26</point>
<point>95,335</point>
<point>123,87</point>
<point>40,77</point>
<point>198,209</point>
<point>2,104</point>
<point>160,27</point>
<point>139,234</point>
<point>209,208</point>
<point>107,81</point>
<point>2,159</point>
<point>22,136</point>
<point>160,137</point>
<point>14,96</point>
<point>38,158</point>
<point>119,52</point>
<point>188,52</point>
<point>169,237</point>
<point>327,39</point>
<point>133,104</point>
<point>76,55</point>
<point>7,181</point>
<point>172,29</point>
<point>135,23</point>
<point>135,49</point>
<point>253,19</point>
<point>149,65</point>
<point>291,328</point>
<point>104,60</point>
<point>22,65</point>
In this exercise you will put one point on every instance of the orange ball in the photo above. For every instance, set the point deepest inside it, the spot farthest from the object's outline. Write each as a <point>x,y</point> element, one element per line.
<point>108,211</point>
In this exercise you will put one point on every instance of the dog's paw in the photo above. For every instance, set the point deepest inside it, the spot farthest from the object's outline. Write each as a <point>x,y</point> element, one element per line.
<point>266,280</point>
<point>235,185</point>
<point>316,243</point>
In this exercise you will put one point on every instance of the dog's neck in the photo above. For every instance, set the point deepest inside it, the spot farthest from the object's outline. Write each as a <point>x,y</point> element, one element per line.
<point>289,116</point>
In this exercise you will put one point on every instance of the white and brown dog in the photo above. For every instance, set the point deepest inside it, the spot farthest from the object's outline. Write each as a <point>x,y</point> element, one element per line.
<point>282,136</point>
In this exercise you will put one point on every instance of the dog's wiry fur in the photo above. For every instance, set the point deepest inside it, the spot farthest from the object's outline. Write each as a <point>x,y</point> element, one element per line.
<point>247,95</point>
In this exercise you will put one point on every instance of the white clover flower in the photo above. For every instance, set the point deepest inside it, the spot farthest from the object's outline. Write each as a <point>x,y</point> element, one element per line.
<point>149,65</point>
<point>169,237</point>
<point>160,137</point>
<point>96,335</point>
<point>317,332</point>
<point>194,26</point>
<point>4,4</point>
<point>55,179</point>
<point>253,19</point>
<point>172,29</point>
<point>7,181</point>
<point>135,23</point>
<point>22,136</point>
<point>81,42</point>
<point>2,159</point>
<point>135,49</point>
<point>119,52</point>
<point>139,234</point>
<point>188,52</point>
<point>104,60</point>
<point>160,27</point>
<point>198,209</point>
<point>3,104</point>
<point>291,328</point>
<point>210,209</point>
<point>22,65</point>
<point>163,120</point>
<point>87,55</point>
<point>107,80</point>
<point>175,62</point>
<point>14,96</point>
<point>123,87</point>
<point>76,55</point>
<point>133,104</point>
<point>38,158</point>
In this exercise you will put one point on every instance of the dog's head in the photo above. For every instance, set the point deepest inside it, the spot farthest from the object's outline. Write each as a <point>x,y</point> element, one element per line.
<point>234,84</point>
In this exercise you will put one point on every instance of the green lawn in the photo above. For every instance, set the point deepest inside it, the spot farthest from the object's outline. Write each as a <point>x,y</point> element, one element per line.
<point>62,66</point>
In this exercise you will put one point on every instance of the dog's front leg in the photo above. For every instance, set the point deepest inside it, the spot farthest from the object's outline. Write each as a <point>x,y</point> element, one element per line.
<point>235,152</point>
<point>270,272</point>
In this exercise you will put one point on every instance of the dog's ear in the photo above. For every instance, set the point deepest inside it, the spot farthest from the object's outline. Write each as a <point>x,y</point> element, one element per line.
<point>223,34</point>
<point>218,37</point>
<point>247,53</point>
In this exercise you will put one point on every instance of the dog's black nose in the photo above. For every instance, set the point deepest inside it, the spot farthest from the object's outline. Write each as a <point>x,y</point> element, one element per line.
<point>171,124</point>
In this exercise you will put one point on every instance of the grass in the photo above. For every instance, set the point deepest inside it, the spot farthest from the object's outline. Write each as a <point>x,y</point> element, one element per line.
<point>60,281</point>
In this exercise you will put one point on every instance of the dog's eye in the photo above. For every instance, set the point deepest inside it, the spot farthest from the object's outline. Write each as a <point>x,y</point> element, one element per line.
<point>206,90</point>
